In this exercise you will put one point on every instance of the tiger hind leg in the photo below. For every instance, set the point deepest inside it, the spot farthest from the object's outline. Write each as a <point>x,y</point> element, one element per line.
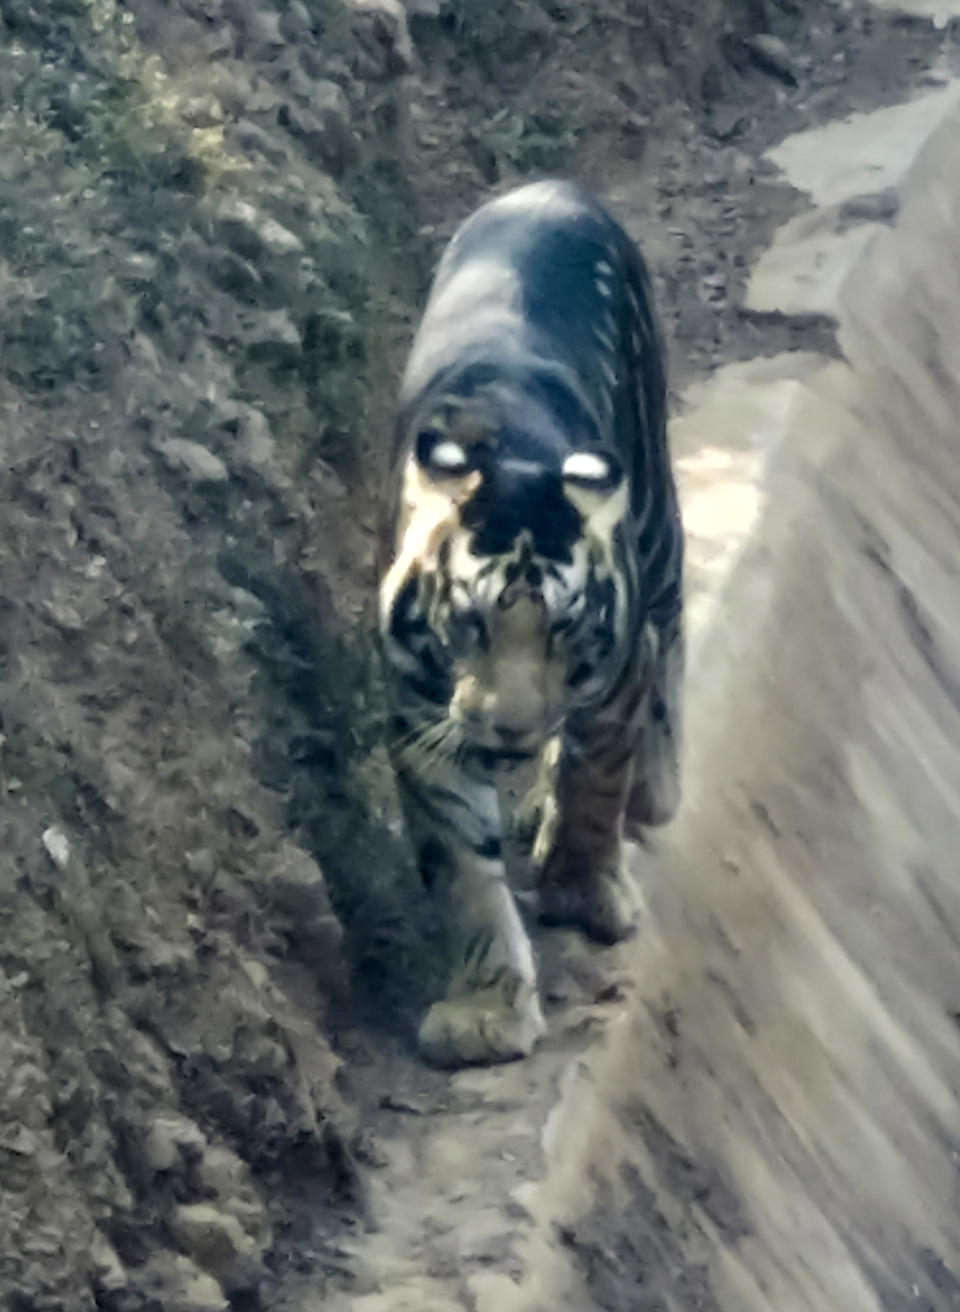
<point>655,789</point>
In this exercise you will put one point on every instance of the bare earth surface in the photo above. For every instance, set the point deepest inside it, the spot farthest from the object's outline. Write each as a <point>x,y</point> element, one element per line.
<point>218,219</point>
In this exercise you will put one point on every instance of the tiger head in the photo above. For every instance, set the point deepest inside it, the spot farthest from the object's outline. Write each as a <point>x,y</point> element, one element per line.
<point>504,549</point>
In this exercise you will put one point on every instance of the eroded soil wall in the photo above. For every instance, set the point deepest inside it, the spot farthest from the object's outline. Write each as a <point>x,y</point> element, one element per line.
<point>777,1124</point>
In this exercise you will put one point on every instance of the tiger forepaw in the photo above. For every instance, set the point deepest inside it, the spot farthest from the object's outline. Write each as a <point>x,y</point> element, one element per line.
<point>483,1028</point>
<point>606,906</point>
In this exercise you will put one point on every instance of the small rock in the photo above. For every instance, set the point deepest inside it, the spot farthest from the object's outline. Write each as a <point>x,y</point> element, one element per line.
<point>264,28</point>
<point>94,567</point>
<point>256,972</point>
<point>176,1284</point>
<point>200,863</point>
<point>58,849</point>
<point>252,140</point>
<point>108,1272</point>
<point>391,29</point>
<point>222,1171</point>
<point>233,275</point>
<point>323,126</point>
<point>258,446</point>
<point>635,133</point>
<point>261,1057</point>
<point>42,1241</point>
<point>727,122</point>
<point>137,268</point>
<point>171,1140</point>
<point>193,460</point>
<point>368,1151</point>
<point>224,1175</point>
<point>64,614</point>
<point>19,1141</point>
<point>158,956</point>
<point>218,1242</point>
<point>273,335</point>
<point>210,1235</point>
<point>202,111</point>
<point>255,447</point>
<point>771,55</point>
<point>390,1102</point>
<point>876,207</point>
<point>296,23</point>
<point>250,233</point>
<point>277,238</point>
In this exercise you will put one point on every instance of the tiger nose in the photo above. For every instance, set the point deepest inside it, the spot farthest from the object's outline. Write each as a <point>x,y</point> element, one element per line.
<point>509,734</point>
<point>519,495</point>
<point>524,578</point>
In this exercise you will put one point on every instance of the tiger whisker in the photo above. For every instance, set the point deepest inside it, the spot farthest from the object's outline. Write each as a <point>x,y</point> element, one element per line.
<point>433,744</point>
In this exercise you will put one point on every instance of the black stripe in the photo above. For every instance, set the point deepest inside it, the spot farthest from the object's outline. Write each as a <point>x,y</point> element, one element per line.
<point>434,861</point>
<point>431,685</point>
<point>477,947</point>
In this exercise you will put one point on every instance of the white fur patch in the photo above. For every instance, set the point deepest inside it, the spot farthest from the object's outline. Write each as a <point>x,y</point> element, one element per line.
<point>429,513</point>
<point>587,467</point>
<point>449,457</point>
<point>602,509</point>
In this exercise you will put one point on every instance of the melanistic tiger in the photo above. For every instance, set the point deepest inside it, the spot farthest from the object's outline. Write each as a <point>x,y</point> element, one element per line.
<point>531,602</point>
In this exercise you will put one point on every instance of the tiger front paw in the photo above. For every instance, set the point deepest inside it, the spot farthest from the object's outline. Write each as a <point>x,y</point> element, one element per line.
<point>605,904</point>
<point>492,1025</point>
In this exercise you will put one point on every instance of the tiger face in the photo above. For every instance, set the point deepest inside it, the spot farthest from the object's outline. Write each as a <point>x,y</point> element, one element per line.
<point>504,544</point>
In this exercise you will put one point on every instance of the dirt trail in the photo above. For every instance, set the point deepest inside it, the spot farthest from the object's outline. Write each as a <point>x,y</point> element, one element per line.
<point>755,1104</point>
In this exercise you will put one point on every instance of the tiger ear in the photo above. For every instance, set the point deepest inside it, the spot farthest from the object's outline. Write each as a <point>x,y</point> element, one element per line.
<point>596,472</point>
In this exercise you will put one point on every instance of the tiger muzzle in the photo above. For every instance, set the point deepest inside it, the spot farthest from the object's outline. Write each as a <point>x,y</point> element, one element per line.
<point>506,695</point>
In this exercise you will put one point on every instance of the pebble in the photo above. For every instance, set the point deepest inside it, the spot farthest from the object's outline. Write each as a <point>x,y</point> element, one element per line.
<point>58,849</point>
<point>771,55</point>
<point>169,1140</point>
<point>176,1284</point>
<point>195,462</point>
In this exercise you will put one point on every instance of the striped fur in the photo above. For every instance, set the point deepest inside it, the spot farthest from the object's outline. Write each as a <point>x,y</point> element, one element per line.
<point>530,600</point>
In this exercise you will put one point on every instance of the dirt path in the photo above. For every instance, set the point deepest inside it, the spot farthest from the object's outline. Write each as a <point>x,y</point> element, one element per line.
<point>754,1105</point>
